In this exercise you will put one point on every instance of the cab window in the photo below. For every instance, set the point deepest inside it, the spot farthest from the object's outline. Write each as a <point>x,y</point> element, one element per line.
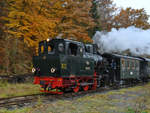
<point>42,49</point>
<point>36,51</point>
<point>89,48</point>
<point>50,48</point>
<point>72,49</point>
<point>61,47</point>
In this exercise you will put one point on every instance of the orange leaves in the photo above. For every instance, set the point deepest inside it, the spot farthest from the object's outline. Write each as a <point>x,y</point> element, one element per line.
<point>31,20</point>
<point>132,17</point>
<point>110,17</point>
<point>76,20</point>
<point>36,20</point>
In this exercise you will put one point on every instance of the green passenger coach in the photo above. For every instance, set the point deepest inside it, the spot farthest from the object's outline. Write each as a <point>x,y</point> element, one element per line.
<point>129,68</point>
<point>126,68</point>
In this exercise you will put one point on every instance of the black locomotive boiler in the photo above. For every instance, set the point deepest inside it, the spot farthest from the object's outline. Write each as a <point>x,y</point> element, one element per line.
<point>63,64</point>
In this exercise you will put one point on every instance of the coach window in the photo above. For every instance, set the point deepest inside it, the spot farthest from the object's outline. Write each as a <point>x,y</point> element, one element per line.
<point>72,49</point>
<point>137,64</point>
<point>123,63</point>
<point>133,64</point>
<point>148,64</point>
<point>128,65</point>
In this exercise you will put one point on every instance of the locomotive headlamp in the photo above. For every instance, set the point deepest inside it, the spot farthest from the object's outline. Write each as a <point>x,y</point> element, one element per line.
<point>33,70</point>
<point>53,70</point>
<point>48,40</point>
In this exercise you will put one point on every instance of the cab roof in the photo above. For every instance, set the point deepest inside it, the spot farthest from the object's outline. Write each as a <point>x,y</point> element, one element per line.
<point>122,56</point>
<point>65,40</point>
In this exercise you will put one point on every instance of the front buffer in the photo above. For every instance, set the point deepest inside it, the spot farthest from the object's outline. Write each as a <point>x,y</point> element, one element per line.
<point>50,84</point>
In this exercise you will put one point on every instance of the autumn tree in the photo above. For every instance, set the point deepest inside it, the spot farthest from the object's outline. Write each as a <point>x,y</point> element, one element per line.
<point>3,40</point>
<point>131,17</point>
<point>32,20</point>
<point>77,20</point>
<point>95,16</point>
<point>105,10</point>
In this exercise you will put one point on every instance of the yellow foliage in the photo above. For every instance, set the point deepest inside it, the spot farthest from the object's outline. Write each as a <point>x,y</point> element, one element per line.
<point>31,20</point>
<point>36,20</point>
<point>77,20</point>
<point>131,17</point>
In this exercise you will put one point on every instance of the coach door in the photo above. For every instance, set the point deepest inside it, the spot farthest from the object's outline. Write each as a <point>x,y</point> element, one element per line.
<point>143,69</point>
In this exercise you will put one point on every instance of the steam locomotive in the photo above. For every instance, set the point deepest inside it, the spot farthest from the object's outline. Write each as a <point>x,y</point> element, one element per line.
<point>63,64</point>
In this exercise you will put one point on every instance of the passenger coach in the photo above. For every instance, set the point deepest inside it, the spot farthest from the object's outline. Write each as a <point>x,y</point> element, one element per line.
<point>126,69</point>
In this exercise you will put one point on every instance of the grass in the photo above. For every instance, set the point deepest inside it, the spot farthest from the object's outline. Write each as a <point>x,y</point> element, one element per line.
<point>127,100</point>
<point>11,90</point>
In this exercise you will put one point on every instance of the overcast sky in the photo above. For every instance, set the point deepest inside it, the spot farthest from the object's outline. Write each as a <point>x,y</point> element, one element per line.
<point>137,4</point>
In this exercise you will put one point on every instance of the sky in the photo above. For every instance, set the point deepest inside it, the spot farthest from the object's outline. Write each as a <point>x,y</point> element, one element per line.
<point>137,4</point>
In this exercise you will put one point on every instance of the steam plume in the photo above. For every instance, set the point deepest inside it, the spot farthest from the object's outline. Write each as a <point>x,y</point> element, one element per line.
<point>136,40</point>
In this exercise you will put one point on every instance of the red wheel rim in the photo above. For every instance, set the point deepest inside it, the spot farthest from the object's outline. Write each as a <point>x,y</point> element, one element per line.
<point>85,88</point>
<point>94,85</point>
<point>76,89</point>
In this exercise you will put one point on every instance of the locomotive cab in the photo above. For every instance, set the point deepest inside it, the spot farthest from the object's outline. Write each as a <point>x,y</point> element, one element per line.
<point>47,62</point>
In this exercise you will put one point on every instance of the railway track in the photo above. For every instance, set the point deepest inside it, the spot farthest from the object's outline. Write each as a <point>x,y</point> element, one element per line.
<point>18,101</point>
<point>21,101</point>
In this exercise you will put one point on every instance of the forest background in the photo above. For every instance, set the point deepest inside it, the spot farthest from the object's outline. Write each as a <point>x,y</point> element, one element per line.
<point>23,23</point>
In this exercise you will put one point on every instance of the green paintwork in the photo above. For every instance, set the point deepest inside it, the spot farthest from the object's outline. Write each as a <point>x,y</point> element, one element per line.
<point>45,63</point>
<point>129,68</point>
<point>65,65</point>
<point>76,66</point>
<point>148,69</point>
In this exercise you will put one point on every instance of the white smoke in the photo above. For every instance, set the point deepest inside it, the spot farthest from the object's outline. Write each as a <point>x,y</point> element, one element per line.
<point>134,39</point>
